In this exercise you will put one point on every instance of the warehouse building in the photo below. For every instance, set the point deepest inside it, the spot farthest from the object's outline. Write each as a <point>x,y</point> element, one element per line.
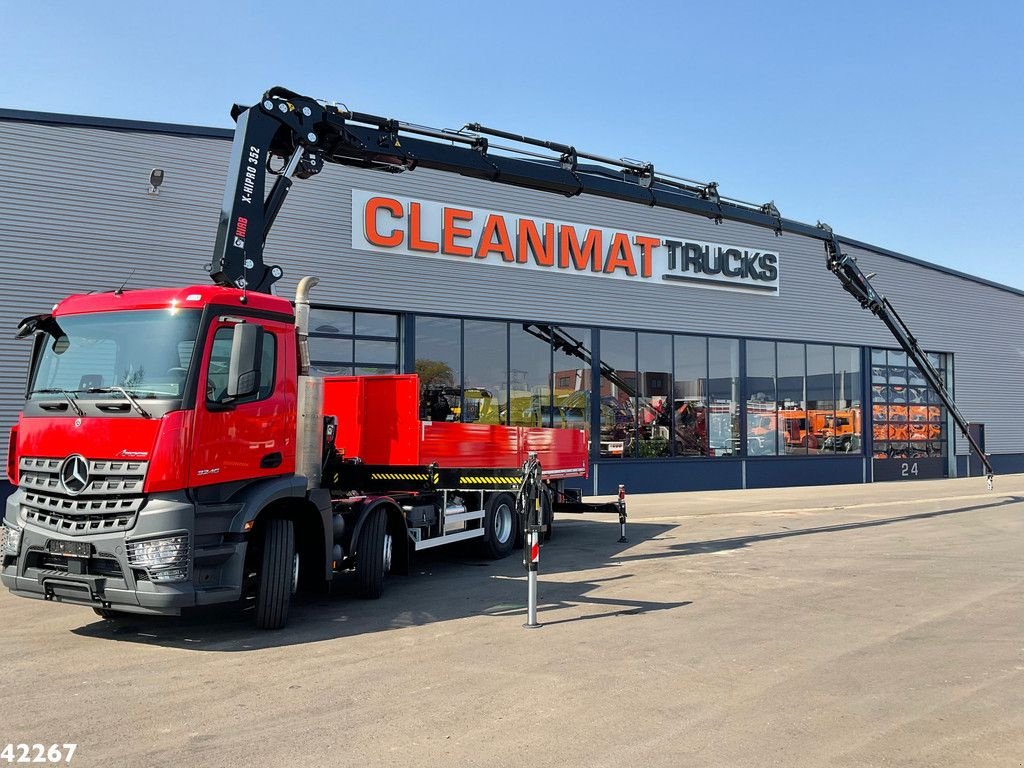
<point>696,355</point>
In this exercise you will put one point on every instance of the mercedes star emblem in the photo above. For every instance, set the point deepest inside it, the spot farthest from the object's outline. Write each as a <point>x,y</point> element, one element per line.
<point>74,474</point>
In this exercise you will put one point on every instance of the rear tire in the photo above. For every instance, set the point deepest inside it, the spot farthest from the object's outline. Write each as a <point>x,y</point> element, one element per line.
<point>274,588</point>
<point>373,555</point>
<point>500,523</point>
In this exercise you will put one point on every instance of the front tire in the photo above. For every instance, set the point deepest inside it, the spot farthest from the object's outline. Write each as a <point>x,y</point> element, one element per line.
<point>373,555</point>
<point>276,574</point>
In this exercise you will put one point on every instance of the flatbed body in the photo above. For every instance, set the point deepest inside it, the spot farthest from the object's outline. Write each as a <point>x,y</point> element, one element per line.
<point>379,425</point>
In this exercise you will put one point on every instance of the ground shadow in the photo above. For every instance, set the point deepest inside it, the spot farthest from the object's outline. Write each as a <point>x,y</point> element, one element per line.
<point>741,542</point>
<point>444,586</point>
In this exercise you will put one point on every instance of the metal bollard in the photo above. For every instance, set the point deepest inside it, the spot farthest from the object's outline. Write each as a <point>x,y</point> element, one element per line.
<point>622,515</point>
<point>533,565</point>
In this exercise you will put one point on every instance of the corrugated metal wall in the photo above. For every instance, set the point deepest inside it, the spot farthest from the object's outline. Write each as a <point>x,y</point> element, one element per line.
<point>77,216</point>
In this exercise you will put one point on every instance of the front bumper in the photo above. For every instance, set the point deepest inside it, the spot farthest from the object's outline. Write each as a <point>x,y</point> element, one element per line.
<point>107,580</point>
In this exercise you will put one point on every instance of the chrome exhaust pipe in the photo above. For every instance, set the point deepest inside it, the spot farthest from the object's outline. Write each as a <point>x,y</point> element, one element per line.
<point>310,417</point>
<point>306,284</point>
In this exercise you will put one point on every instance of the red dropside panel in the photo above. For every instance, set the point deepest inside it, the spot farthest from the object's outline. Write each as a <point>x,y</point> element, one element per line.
<point>378,417</point>
<point>451,444</point>
<point>562,452</point>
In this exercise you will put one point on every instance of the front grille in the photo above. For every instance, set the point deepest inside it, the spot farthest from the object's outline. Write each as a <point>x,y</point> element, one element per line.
<point>109,502</point>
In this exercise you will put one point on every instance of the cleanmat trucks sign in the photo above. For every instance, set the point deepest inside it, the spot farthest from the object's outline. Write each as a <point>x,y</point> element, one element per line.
<point>393,224</point>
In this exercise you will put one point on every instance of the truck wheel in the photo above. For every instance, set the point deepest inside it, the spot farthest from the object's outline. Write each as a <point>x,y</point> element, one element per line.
<point>500,522</point>
<point>276,574</point>
<point>373,555</point>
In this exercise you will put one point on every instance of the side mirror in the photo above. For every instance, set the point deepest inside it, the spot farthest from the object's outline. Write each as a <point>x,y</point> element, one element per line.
<point>46,323</point>
<point>244,366</point>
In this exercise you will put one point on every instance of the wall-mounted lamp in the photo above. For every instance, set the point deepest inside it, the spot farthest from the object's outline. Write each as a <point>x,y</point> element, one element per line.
<point>156,178</point>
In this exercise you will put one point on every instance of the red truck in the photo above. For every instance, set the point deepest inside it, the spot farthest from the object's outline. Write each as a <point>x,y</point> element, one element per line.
<point>174,451</point>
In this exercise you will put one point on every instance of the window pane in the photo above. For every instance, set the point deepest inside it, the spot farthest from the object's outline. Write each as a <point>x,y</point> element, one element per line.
<point>849,421</point>
<point>654,351</point>
<point>572,378</point>
<point>723,397</point>
<point>761,409</point>
<point>618,393</point>
<point>220,358</point>
<point>325,350</point>
<point>689,400</point>
<point>371,324</point>
<point>530,376</point>
<point>330,321</point>
<point>268,365</point>
<point>484,396</point>
<point>792,400</point>
<point>376,352</point>
<point>439,367</point>
<point>821,415</point>
<point>329,369</point>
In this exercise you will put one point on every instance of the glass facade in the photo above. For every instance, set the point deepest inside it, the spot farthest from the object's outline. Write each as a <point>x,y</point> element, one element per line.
<point>518,374</point>
<point>907,418</point>
<point>343,342</point>
<point>803,399</point>
<point>659,395</point>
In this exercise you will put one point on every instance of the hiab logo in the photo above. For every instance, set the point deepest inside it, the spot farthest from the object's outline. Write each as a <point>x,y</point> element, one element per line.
<point>240,228</point>
<point>388,223</point>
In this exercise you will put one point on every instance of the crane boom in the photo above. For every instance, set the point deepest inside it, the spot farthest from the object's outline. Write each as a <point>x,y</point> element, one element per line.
<point>300,134</point>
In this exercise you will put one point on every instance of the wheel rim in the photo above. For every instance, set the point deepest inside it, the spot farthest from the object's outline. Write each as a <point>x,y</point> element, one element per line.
<point>387,552</point>
<point>295,573</point>
<point>503,523</point>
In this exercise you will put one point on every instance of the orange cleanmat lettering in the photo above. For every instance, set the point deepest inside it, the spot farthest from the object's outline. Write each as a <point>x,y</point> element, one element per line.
<point>416,242</point>
<point>647,246</point>
<point>530,240</point>
<point>450,231</point>
<point>495,226</point>
<point>373,235</point>
<point>581,257</point>
<point>620,254</point>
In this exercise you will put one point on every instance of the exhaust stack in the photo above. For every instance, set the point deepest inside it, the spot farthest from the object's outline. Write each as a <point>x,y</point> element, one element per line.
<point>306,284</point>
<point>309,443</point>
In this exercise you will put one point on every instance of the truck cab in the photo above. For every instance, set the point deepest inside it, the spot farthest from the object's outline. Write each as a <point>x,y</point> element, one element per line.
<point>154,421</point>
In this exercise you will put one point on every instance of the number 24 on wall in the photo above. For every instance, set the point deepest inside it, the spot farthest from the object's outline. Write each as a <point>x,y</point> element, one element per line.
<point>908,469</point>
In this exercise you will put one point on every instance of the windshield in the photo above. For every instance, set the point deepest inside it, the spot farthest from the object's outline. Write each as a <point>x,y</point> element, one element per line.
<point>146,352</point>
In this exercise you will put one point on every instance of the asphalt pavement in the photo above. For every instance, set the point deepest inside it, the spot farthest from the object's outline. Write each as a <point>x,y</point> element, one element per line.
<point>827,626</point>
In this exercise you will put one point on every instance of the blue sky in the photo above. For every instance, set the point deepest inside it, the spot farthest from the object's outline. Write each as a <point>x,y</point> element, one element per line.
<point>897,123</point>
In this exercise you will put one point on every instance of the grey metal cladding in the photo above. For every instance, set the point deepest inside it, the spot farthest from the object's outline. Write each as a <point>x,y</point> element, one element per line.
<point>77,216</point>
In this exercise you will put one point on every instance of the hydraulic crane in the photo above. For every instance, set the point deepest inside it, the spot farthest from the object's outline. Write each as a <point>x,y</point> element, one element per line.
<point>300,134</point>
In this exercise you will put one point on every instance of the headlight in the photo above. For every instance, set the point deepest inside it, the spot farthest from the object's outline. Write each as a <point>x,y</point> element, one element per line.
<point>11,539</point>
<point>164,559</point>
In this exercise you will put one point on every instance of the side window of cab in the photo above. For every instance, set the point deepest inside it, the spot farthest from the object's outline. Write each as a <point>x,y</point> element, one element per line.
<point>220,360</point>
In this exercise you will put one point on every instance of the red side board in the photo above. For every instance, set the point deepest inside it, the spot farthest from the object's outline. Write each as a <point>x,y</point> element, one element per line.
<point>378,421</point>
<point>377,417</point>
